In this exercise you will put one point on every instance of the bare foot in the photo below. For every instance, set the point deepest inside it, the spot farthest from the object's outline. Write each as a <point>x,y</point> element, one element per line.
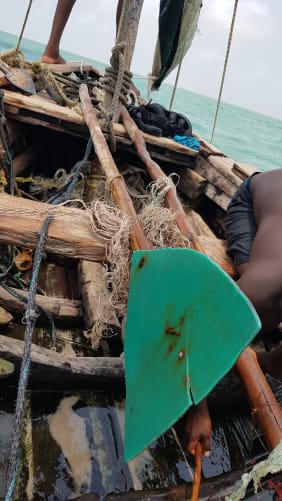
<point>52,60</point>
<point>271,362</point>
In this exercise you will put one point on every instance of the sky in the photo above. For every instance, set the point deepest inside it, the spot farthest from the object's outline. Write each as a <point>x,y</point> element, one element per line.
<point>254,72</point>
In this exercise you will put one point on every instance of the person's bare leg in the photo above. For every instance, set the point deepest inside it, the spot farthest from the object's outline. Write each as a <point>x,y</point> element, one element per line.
<point>52,50</point>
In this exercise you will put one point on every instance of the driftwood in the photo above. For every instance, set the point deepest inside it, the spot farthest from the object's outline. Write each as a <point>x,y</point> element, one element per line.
<point>69,233</point>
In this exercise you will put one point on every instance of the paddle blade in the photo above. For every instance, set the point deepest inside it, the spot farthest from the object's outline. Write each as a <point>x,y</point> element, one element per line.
<point>187,323</point>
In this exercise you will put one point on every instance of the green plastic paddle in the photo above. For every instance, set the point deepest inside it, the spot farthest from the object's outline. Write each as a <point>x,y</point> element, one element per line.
<point>187,323</point>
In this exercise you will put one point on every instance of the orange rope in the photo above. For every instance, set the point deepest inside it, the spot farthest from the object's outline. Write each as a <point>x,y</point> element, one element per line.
<point>197,475</point>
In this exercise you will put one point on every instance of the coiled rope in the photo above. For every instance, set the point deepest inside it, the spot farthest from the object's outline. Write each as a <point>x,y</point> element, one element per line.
<point>225,66</point>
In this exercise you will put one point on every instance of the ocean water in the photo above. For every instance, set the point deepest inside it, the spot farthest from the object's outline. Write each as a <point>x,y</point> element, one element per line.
<point>241,134</point>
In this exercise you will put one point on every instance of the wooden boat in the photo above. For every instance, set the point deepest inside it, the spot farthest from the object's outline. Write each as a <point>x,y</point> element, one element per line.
<point>47,140</point>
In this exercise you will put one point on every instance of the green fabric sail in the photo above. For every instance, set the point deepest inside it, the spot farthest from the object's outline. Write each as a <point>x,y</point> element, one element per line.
<point>187,323</point>
<point>177,26</point>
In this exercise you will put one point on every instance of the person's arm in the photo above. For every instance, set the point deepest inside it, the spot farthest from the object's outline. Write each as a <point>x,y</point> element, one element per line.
<point>198,427</point>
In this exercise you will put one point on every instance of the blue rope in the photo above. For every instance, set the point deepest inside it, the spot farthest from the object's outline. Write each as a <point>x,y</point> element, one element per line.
<point>31,316</point>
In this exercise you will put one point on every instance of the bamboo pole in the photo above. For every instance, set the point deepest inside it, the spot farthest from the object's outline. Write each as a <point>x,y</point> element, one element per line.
<point>265,407</point>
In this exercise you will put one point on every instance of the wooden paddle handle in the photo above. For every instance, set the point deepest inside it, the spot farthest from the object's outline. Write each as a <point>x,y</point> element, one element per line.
<point>197,474</point>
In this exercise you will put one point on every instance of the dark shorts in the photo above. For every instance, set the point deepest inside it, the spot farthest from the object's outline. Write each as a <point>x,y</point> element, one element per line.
<point>240,223</point>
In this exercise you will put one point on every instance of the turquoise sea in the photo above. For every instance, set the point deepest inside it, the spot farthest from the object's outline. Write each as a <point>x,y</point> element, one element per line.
<point>241,134</point>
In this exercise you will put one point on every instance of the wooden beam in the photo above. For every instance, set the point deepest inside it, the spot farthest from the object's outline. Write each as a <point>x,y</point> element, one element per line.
<point>60,309</point>
<point>14,102</point>
<point>70,233</point>
<point>51,368</point>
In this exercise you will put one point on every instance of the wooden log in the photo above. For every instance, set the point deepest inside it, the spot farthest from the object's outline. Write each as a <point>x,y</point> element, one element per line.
<point>26,158</point>
<point>54,369</point>
<point>95,294</point>
<point>64,310</point>
<point>70,233</point>
<point>211,489</point>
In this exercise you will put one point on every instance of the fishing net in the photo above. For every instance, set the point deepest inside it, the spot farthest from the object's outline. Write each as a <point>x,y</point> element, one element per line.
<point>270,465</point>
<point>160,228</point>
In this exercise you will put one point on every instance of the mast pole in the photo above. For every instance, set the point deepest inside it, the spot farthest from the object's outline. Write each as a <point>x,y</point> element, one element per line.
<point>123,49</point>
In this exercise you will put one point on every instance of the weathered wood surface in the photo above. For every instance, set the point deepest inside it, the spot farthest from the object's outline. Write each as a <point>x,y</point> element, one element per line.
<point>218,171</point>
<point>216,250</point>
<point>244,170</point>
<point>72,66</point>
<point>191,184</point>
<point>60,309</point>
<point>14,102</point>
<point>51,368</point>
<point>69,233</point>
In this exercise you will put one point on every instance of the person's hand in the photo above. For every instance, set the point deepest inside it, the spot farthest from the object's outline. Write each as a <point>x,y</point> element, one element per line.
<point>198,427</point>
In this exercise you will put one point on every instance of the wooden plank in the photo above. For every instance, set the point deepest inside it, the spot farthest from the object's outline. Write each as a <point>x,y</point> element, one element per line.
<point>51,368</point>
<point>60,309</point>
<point>218,171</point>
<point>220,198</point>
<point>69,234</point>
<point>244,170</point>
<point>47,108</point>
<point>73,66</point>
